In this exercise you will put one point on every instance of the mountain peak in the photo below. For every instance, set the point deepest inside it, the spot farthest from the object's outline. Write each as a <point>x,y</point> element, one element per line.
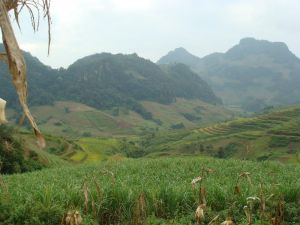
<point>180,50</point>
<point>179,55</point>
<point>278,51</point>
<point>249,41</point>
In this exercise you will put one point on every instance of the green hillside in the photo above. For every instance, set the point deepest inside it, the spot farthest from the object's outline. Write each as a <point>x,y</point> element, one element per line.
<point>274,135</point>
<point>71,119</point>
<point>152,191</point>
<point>79,133</point>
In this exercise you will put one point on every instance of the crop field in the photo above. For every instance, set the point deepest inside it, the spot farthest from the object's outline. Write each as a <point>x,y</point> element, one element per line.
<point>153,191</point>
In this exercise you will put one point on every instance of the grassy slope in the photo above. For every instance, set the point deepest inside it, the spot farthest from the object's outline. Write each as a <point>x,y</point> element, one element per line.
<point>174,113</point>
<point>74,119</point>
<point>61,151</point>
<point>57,152</point>
<point>68,122</point>
<point>275,135</point>
<point>43,197</point>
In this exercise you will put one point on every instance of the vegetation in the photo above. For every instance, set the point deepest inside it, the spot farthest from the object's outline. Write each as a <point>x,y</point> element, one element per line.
<point>111,193</point>
<point>274,135</point>
<point>91,180</point>
<point>108,188</point>
<point>71,119</point>
<point>12,155</point>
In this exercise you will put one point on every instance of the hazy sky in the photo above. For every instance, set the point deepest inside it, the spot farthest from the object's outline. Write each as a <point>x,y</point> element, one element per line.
<point>151,28</point>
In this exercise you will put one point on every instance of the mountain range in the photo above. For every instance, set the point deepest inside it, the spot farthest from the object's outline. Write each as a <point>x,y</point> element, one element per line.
<point>105,81</point>
<point>252,74</point>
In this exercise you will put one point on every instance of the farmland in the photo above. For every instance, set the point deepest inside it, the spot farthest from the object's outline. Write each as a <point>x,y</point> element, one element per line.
<point>161,187</point>
<point>98,177</point>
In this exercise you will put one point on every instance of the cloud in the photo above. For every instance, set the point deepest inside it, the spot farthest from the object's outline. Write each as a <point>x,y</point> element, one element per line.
<point>153,27</point>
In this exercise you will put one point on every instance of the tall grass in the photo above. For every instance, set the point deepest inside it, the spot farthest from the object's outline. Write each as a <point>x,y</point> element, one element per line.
<point>152,191</point>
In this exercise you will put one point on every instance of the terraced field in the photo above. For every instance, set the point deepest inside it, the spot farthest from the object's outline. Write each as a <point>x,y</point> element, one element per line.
<point>276,120</point>
<point>274,135</point>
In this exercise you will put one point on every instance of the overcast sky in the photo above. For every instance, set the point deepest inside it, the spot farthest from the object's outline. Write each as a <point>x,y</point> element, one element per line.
<point>151,28</point>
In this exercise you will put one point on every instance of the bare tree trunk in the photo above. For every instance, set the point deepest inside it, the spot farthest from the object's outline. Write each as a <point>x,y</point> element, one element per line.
<point>17,67</point>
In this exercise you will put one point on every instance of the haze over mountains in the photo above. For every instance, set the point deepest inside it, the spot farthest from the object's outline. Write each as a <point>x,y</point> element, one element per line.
<point>252,74</point>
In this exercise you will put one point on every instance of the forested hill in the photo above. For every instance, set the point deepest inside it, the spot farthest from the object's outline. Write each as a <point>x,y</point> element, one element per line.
<point>106,80</point>
<point>252,74</point>
<point>40,78</point>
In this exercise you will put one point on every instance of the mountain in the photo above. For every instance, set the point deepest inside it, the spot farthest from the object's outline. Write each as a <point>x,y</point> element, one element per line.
<point>105,81</point>
<point>252,74</point>
<point>124,80</point>
<point>179,55</point>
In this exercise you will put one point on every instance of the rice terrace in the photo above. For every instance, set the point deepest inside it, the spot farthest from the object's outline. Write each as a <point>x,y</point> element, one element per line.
<point>93,133</point>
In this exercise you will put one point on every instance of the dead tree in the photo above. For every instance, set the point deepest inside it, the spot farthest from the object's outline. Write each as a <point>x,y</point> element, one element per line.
<point>13,55</point>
